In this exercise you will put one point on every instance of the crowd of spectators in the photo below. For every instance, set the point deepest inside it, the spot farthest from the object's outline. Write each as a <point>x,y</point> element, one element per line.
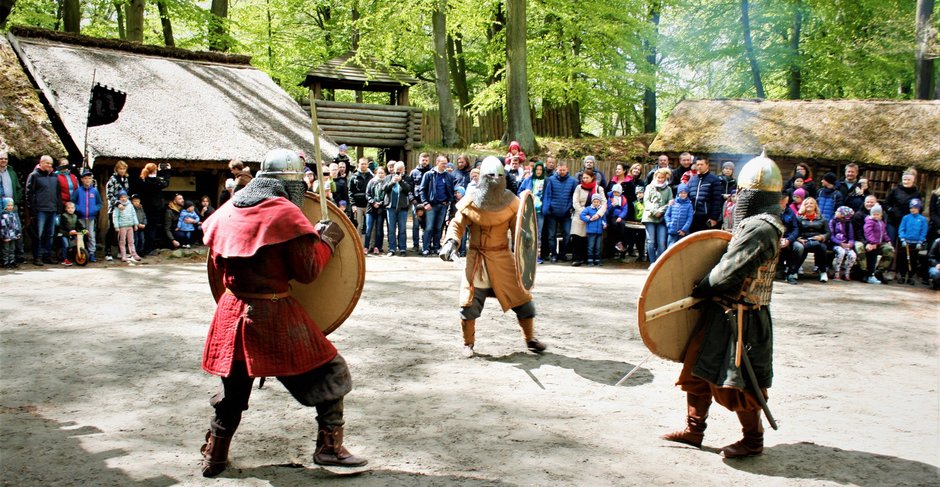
<point>582,215</point>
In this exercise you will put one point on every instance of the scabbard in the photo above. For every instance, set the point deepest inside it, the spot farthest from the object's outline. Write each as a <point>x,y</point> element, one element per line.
<point>758,394</point>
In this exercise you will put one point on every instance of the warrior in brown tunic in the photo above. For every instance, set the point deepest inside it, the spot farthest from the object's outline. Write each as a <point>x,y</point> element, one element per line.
<point>489,213</point>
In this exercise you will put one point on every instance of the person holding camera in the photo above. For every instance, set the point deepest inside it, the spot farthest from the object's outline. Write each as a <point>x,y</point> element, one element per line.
<point>153,179</point>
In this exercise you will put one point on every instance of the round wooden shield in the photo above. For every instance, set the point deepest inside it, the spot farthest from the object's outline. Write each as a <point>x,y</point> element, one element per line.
<point>333,295</point>
<point>526,245</point>
<point>665,315</point>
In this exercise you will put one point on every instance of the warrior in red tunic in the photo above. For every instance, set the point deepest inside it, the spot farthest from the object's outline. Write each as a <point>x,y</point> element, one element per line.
<point>258,242</point>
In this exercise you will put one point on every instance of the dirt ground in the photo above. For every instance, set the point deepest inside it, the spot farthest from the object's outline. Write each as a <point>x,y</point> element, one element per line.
<point>101,385</point>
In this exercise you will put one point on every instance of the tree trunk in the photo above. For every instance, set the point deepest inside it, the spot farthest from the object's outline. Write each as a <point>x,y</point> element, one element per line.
<point>795,77</point>
<point>354,14</point>
<point>496,26</point>
<point>441,75</point>
<point>460,78</point>
<point>517,88</point>
<point>649,91</point>
<point>168,40</point>
<point>121,21</point>
<point>923,67</point>
<point>749,49</point>
<point>72,16</point>
<point>135,21</point>
<point>6,7</point>
<point>218,26</point>
<point>267,4</point>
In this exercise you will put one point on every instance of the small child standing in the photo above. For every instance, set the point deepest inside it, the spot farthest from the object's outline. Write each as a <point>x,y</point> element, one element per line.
<point>877,241</point>
<point>639,236</point>
<point>125,222</point>
<point>912,234</point>
<point>842,236</point>
<point>70,228</point>
<point>187,223</point>
<point>594,228</point>
<point>679,216</point>
<point>141,221</point>
<point>619,209</point>
<point>10,231</point>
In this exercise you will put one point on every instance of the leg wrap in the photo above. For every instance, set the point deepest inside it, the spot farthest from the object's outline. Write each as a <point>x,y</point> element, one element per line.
<point>469,331</point>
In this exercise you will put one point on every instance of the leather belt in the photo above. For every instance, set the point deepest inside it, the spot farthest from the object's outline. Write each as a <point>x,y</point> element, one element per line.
<point>272,296</point>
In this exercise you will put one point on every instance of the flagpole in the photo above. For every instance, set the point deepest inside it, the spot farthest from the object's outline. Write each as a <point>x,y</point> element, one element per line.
<point>94,75</point>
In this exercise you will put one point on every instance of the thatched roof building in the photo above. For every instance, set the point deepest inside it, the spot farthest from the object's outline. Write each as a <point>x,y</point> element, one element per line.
<point>883,137</point>
<point>196,109</point>
<point>25,129</point>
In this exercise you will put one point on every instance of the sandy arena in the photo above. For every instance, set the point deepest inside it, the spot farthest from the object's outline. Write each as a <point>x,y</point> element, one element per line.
<point>101,386</point>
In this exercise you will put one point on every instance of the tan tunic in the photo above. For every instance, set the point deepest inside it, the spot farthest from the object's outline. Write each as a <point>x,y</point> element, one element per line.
<point>489,259</point>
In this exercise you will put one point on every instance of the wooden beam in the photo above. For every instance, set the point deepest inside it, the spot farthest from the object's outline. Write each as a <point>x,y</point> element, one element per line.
<point>362,106</point>
<point>369,130</point>
<point>368,135</point>
<point>366,142</point>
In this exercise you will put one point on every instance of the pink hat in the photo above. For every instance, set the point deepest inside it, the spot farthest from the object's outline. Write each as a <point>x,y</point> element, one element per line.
<point>800,192</point>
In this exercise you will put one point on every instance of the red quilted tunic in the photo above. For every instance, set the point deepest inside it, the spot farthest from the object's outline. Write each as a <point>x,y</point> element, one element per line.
<point>259,249</point>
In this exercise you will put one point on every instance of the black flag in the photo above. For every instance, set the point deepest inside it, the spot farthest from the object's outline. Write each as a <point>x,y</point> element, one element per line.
<point>106,104</point>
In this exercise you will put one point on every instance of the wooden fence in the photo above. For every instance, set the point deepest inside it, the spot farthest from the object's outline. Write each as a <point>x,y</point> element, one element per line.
<point>490,126</point>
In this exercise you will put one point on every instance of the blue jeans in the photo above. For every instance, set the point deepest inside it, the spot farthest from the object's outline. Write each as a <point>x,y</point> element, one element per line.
<point>556,224</point>
<point>673,238</point>
<point>594,247</point>
<point>397,230</point>
<point>139,241</point>
<point>375,221</point>
<point>818,250</point>
<point>655,240</point>
<point>45,229</point>
<point>933,273</point>
<point>416,225</point>
<point>433,225</point>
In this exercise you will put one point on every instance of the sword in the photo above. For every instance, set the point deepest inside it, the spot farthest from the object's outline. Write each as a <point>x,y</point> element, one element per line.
<point>314,126</point>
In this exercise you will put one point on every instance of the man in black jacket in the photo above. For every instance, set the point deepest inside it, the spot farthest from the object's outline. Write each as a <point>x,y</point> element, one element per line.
<point>357,193</point>
<point>705,192</point>
<point>44,203</point>
<point>424,165</point>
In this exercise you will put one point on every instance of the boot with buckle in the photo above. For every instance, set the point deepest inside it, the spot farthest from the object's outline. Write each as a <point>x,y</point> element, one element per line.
<point>214,454</point>
<point>330,450</point>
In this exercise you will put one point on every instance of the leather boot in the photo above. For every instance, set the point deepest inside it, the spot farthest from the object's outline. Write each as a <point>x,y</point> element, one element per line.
<point>753,441</point>
<point>214,454</point>
<point>528,331</point>
<point>694,432</point>
<point>469,333</point>
<point>330,449</point>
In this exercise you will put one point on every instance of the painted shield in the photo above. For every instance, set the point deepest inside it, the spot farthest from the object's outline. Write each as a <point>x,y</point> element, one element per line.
<point>526,243</point>
<point>665,315</point>
<point>333,295</point>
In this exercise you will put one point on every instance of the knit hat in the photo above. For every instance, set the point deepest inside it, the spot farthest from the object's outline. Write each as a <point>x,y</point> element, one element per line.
<point>617,188</point>
<point>7,201</point>
<point>830,178</point>
<point>343,147</point>
<point>727,164</point>
<point>188,203</point>
<point>589,158</point>
<point>450,165</point>
<point>639,189</point>
<point>844,212</point>
<point>683,188</point>
<point>597,197</point>
<point>460,189</point>
<point>121,193</point>
<point>915,203</point>
<point>799,192</point>
<point>876,210</point>
<point>515,145</point>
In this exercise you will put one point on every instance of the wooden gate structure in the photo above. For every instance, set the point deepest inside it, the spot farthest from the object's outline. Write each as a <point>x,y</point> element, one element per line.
<point>395,127</point>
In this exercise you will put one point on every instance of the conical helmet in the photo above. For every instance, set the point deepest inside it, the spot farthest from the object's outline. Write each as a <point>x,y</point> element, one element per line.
<point>492,165</point>
<point>283,164</point>
<point>760,174</point>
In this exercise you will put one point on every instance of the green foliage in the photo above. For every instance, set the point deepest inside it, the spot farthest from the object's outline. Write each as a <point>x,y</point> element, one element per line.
<point>591,52</point>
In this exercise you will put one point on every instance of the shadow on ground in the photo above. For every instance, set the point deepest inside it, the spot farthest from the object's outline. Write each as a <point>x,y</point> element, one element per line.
<point>52,452</point>
<point>810,461</point>
<point>606,372</point>
<point>296,475</point>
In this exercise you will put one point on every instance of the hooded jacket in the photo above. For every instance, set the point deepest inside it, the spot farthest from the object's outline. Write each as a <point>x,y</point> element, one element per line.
<point>87,202</point>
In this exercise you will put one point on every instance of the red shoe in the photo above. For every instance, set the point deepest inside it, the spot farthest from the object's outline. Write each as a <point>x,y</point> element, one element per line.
<point>67,263</point>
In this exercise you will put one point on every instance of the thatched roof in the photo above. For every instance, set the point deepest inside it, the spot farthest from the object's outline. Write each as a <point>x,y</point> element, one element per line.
<point>345,72</point>
<point>880,133</point>
<point>25,129</point>
<point>181,109</point>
